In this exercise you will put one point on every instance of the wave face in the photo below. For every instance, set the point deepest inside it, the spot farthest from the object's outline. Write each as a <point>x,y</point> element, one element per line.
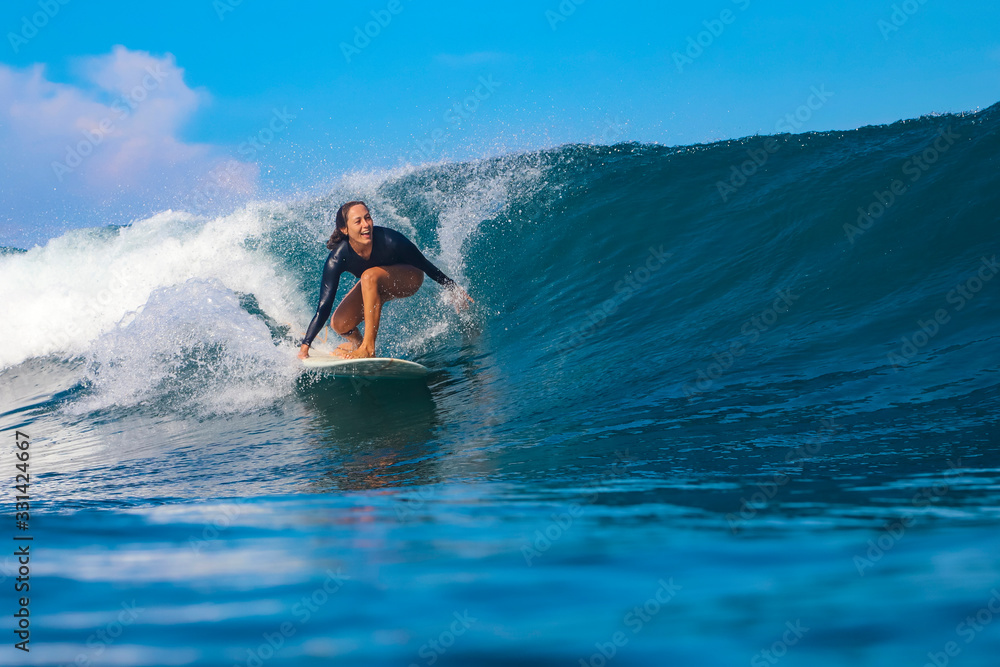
<point>774,336</point>
<point>797,256</point>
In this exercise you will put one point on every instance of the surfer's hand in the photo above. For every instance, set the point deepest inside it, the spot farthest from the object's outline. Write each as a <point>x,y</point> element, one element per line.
<point>459,298</point>
<point>304,352</point>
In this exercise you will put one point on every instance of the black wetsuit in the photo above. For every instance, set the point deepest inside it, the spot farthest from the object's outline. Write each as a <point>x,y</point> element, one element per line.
<point>388,247</point>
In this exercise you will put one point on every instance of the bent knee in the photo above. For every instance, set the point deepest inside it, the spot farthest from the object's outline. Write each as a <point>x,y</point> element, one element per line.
<point>371,277</point>
<point>342,325</point>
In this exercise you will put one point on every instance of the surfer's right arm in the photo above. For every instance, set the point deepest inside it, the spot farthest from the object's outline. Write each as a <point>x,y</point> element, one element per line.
<point>327,293</point>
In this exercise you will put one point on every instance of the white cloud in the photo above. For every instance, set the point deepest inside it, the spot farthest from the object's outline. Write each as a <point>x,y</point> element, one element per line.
<point>111,138</point>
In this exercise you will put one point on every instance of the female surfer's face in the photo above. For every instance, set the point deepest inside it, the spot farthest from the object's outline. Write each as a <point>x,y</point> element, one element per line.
<point>359,224</point>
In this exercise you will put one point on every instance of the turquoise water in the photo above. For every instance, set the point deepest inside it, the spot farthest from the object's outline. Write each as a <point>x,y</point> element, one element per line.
<point>706,411</point>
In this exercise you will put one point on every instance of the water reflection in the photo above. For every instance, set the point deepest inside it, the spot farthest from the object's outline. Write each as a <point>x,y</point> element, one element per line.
<point>374,434</point>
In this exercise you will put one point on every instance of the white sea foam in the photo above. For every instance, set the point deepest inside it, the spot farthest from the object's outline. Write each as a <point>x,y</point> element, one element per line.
<point>63,296</point>
<point>154,308</point>
<point>191,345</point>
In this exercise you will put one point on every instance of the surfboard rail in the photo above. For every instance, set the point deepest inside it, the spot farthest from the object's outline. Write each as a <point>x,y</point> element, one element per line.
<point>372,367</point>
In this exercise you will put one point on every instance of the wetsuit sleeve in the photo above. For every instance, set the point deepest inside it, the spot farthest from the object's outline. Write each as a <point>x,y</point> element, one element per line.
<point>327,292</point>
<point>410,254</point>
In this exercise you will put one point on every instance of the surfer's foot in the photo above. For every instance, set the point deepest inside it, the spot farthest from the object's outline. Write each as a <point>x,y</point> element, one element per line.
<point>362,352</point>
<point>349,346</point>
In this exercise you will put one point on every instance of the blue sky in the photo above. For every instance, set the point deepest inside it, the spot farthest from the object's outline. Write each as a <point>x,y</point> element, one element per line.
<point>545,72</point>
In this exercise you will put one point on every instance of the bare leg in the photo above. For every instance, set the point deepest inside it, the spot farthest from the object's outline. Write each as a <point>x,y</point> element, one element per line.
<point>347,317</point>
<point>378,285</point>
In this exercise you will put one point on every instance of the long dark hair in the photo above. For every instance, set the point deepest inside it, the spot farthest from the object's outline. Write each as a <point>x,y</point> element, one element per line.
<point>341,223</point>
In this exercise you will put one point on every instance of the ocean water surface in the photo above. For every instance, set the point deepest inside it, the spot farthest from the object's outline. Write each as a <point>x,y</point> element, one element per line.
<point>715,405</point>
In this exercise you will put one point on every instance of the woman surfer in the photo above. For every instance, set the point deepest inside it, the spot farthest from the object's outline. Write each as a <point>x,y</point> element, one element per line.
<point>387,265</point>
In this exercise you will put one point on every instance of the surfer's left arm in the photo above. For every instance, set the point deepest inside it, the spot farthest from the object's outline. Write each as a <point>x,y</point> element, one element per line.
<point>328,290</point>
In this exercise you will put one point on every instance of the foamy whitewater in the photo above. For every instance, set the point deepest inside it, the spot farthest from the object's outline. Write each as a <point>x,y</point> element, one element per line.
<point>719,404</point>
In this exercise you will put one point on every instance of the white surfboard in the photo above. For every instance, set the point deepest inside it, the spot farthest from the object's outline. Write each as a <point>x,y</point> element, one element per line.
<point>373,367</point>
